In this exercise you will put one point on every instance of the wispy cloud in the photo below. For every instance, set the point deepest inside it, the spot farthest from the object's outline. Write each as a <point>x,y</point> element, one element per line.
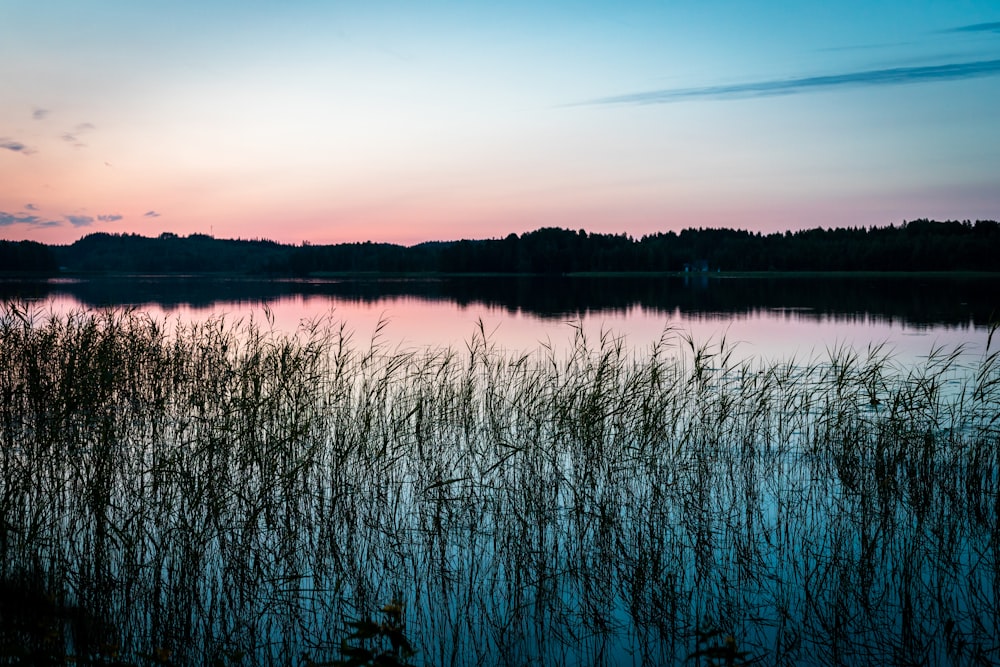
<point>151,214</point>
<point>39,114</point>
<point>80,220</point>
<point>15,146</point>
<point>771,87</point>
<point>977,27</point>
<point>863,47</point>
<point>73,136</point>
<point>8,219</point>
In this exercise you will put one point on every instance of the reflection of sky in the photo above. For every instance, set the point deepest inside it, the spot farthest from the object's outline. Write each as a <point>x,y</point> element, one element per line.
<point>406,122</point>
<point>413,322</point>
<point>807,532</point>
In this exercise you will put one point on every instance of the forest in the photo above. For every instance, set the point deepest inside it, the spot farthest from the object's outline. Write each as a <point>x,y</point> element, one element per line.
<point>18,256</point>
<point>918,245</point>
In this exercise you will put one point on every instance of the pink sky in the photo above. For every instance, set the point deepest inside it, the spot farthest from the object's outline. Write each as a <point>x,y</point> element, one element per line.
<point>309,122</point>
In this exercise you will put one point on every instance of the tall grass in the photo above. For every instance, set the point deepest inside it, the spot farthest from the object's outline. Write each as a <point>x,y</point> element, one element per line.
<point>199,491</point>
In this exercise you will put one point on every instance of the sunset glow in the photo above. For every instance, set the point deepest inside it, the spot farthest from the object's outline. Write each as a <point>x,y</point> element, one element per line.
<point>406,122</point>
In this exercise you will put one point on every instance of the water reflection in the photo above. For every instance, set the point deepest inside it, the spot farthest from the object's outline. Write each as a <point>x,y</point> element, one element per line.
<point>236,490</point>
<point>766,316</point>
<point>921,300</point>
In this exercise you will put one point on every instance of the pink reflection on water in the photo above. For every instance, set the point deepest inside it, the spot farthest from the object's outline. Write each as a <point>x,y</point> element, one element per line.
<point>412,322</point>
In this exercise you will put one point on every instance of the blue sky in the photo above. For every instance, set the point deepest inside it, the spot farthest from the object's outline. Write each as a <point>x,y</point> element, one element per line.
<point>403,122</point>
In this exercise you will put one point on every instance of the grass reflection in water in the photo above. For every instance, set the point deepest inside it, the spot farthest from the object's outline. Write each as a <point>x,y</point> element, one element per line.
<point>224,491</point>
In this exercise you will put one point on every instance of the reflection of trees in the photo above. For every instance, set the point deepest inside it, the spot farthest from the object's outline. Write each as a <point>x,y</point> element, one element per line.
<point>914,300</point>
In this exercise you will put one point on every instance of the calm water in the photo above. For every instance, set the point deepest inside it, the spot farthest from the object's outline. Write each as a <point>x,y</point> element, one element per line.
<point>763,317</point>
<point>526,515</point>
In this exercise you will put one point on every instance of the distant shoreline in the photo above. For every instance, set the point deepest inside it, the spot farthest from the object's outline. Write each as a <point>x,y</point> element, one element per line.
<point>918,246</point>
<point>430,275</point>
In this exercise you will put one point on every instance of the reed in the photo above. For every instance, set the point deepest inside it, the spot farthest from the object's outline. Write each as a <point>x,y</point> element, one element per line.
<point>225,491</point>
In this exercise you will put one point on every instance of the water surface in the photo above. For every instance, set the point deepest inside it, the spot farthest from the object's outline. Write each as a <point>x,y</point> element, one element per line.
<point>225,489</point>
<point>772,317</point>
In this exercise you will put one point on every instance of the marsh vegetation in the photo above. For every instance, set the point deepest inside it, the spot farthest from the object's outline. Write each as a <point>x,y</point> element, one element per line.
<point>223,491</point>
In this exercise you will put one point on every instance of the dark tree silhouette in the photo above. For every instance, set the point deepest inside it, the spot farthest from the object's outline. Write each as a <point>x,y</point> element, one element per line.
<point>919,245</point>
<point>27,256</point>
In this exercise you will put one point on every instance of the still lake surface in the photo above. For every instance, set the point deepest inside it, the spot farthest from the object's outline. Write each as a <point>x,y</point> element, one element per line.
<point>591,508</point>
<point>766,317</point>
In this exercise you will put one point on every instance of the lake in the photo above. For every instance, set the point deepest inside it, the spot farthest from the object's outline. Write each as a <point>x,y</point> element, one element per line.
<point>238,489</point>
<point>772,317</point>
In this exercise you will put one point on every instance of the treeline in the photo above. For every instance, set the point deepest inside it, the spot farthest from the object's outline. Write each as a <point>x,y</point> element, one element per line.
<point>170,253</point>
<point>26,256</point>
<point>919,245</point>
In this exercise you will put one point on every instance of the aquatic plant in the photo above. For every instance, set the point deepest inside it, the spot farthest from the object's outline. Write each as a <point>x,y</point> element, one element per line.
<point>224,490</point>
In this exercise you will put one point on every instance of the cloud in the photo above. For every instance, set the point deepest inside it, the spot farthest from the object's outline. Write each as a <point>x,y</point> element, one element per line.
<point>79,220</point>
<point>976,27</point>
<point>15,146</point>
<point>73,136</point>
<point>151,214</point>
<point>878,77</point>
<point>39,113</point>
<point>8,219</point>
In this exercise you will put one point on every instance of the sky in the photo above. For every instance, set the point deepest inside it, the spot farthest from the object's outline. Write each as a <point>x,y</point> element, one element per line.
<point>402,122</point>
